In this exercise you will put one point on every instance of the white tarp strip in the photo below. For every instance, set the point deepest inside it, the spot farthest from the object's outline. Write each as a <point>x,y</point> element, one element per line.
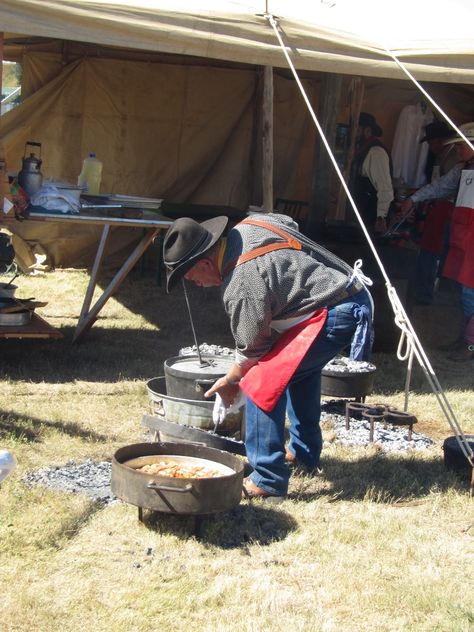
<point>238,31</point>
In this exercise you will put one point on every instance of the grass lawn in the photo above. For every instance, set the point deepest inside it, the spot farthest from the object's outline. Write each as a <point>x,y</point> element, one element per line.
<point>378,542</point>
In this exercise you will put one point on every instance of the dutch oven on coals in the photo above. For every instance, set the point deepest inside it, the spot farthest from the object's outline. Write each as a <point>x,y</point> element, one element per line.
<point>343,378</point>
<point>454,458</point>
<point>187,496</point>
<point>187,378</point>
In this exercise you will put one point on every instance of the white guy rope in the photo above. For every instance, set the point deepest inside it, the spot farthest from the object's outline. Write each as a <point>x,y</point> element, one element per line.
<point>428,97</point>
<point>408,335</point>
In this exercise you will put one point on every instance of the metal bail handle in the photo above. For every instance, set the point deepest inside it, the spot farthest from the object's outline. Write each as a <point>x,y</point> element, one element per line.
<point>33,144</point>
<point>166,488</point>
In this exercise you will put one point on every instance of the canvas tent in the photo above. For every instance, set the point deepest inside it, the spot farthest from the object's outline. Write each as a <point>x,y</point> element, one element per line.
<point>168,93</point>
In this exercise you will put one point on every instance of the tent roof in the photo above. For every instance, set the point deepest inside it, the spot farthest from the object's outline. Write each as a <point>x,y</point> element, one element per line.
<point>433,37</point>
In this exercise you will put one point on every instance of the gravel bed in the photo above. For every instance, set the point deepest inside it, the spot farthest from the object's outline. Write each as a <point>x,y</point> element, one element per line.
<point>92,478</point>
<point>389,438</point>
<point>342,364</point>
<point>339,364</point>
<point>207,349</point>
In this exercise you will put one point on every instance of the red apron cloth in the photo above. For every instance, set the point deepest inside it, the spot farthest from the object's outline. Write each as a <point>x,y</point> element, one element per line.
<point>266,380</point>
<point>459,263</point>
<point>438,215</point>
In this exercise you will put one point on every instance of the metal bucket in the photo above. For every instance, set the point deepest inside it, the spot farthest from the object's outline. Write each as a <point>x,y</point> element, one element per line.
<point>188,412</point>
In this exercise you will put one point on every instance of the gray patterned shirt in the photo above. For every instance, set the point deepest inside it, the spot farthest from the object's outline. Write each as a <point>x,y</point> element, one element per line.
<point>275,286</point>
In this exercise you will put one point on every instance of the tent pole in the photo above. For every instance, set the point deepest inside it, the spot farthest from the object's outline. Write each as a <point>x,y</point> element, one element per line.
<point>329,102</point>
<point>267,139</point>
<point>356,95</point>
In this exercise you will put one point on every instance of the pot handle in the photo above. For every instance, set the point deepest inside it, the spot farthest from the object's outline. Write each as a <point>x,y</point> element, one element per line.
<point>165,488</point>
<point>157,407</point>
<point>201,383</point>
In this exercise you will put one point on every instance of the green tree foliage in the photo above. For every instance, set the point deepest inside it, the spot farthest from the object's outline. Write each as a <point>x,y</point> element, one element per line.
<point>11,75</point>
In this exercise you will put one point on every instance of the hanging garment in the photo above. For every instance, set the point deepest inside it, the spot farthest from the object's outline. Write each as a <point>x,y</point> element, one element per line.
<point>408,154</point>
<point>460,260</point>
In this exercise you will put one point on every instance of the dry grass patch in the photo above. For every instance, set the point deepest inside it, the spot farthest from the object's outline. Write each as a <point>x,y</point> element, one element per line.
<point>378,542</point>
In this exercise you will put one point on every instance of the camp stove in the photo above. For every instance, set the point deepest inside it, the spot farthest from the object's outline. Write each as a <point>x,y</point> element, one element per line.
<point>382,414</point>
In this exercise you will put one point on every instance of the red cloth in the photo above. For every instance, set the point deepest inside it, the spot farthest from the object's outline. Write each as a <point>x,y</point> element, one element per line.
<point>438,215</point>
<point>266,380</point>
<point>459,263</point>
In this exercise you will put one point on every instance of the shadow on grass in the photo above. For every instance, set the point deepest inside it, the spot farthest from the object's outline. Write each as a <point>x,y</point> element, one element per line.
<point>239,527</point>
<point>31,429</point>
<point>379,478</point>
<point>108,355</point>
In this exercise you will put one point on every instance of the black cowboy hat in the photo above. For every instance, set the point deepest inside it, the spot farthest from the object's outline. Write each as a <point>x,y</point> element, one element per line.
<point>187,241</point>
<point>368,120</point>
<point>438,129</point>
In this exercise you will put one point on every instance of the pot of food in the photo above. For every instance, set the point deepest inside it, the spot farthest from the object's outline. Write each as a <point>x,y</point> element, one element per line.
<point>189,412</point>
<point>178,478</point>
<point>189,378</point>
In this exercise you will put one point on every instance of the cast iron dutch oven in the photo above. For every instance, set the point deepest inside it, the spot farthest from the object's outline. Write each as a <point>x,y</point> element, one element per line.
<point>187,379</point>
<point>454,458</point>
<point>189,496</point>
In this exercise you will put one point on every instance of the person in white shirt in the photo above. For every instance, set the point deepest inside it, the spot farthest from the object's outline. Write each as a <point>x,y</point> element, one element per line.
<point>371,180</point>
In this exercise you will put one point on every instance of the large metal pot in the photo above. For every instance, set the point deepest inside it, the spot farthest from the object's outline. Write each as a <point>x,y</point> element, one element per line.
<point>196,496</point>
<point>8,290</point>
<point>186,378</point>
<point>347,383</point>
<point>454,458</point>
<point>189,412</point>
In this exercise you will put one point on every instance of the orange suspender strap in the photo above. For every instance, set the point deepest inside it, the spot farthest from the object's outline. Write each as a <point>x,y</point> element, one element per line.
<point>289,242</point>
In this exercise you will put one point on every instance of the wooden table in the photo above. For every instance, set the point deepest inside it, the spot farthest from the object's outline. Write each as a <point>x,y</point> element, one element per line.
<point>150,221</point>
<point>36,328</point>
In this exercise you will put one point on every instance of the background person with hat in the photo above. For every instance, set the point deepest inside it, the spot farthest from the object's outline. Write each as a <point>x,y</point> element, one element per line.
<point>459,264</point>
<point>437,213</point>
<point>292,306</point>
<point>371,175</point>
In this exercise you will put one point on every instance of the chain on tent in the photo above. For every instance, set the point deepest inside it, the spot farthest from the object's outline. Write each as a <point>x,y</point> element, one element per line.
<point>409,346</point>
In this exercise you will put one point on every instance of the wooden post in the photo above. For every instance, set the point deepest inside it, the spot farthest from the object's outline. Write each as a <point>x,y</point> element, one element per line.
<point>356,95</point>
<point>328,112</point>
<point>267,140</point>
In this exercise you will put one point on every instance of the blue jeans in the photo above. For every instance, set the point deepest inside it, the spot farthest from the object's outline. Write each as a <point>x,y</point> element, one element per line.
<point>265,432</point>
<point>467,299</point>
<point>426,272</point>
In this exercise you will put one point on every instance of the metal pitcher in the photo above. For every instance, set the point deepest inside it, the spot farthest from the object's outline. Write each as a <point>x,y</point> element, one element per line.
<point>30,177</point>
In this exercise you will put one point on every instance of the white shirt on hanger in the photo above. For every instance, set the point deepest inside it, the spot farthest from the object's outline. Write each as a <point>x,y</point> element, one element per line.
<point>408,154</point>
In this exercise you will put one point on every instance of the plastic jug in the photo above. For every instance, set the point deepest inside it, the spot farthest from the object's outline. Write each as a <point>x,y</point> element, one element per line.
<point>91,174</point>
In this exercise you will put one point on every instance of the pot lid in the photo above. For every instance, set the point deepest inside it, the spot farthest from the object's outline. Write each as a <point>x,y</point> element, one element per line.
<point>189,366</point>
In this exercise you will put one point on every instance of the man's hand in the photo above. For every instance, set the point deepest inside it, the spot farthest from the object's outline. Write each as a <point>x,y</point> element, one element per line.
<point>406,206</point>
<point>227,391</point>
